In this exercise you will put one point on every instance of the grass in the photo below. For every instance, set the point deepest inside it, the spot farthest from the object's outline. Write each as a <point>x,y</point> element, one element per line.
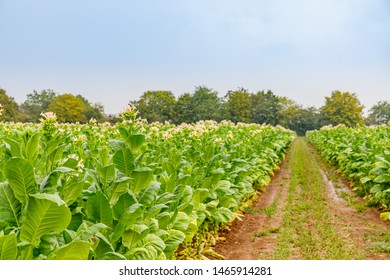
<point>270,210</point>
<point>265,232</point>
<point>380,242</point>
<point>353,201</point>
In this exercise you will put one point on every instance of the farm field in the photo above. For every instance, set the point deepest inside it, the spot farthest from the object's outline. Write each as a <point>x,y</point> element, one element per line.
<point>127,191</point>
<point>307,212</point>
<point>208,190</point>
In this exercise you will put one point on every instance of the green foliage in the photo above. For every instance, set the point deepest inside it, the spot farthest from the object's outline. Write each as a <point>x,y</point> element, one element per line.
<point>128,191</point>
<point>10,110</point>
<point>362,154</point>
<point>156,105</point>
<point>92,111</point>
<point>343,108</point>
<point>239,105</point>
<point>37,103</point>
<point>379,113</point>
<point>265,108</point>
<point>68,108</point>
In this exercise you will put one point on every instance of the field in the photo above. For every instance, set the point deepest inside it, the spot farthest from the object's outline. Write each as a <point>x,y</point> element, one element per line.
<point>143,191</point>
<point>129,191</point>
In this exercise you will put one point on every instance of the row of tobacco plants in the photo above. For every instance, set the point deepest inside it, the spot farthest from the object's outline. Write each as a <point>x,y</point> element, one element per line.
<point>362,155</point>
<point>127,191</point>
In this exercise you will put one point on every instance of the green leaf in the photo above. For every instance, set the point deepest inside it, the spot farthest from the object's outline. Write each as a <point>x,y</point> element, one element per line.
<point>76,250</point>
<point>45,213</point>
<point>199,195</point>
<point>140,179</point>
<point>117,189</point>
<point>385,216</point>
<point>124,161</point>
<point>222,215</point>
<point>133,234</point>
<point>72,192</point>
<point>13,146</point>
<point>181,222</point>
<point>32,147</point>
<point>173,240</point>
<point>88,230</point>
<point>98,209</point>
<point>20,175</point>
<point>10,207</point>
<point>106,174</point>
<point>129,217</point>
<point>149,194</point>
<point>136,140</point>
<point>8,247</point>
<point>148,248</point>
<point>123,203</point>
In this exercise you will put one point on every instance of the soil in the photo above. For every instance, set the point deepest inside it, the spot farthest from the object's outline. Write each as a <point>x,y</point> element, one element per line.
<point>359,227</point>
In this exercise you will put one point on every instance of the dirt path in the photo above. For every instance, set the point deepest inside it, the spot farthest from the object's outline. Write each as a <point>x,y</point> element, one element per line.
<point>307,212</point>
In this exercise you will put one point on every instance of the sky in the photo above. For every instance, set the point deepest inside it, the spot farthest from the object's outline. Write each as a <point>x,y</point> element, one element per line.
<point>111,51</point>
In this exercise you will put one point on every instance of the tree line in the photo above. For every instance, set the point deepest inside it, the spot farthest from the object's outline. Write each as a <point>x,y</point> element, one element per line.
<point>259,107</point>
<point>203,104</point>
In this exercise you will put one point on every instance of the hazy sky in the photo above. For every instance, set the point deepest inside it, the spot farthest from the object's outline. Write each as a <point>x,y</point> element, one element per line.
<point>111,51</point>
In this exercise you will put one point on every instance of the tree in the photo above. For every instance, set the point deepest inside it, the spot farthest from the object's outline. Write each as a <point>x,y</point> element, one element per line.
<point>95,111</point>
<point>343,108</point>
<point>10,110</point>
<point>184,111</point>
<point>206,104</point>
<point>379,113</point>
<point>265,107</point>
<point>37,103</point>
<point>68,108</point>
<point>305,119</point>
<point>155,105</point>
<point>239,105</point>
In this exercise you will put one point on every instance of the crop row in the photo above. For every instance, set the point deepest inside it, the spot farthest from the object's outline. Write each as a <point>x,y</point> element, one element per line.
<point>363,155</point>
<point>127,191</point>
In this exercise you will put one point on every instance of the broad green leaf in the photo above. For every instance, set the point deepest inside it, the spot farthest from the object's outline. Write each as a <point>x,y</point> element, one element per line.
<point>199,195</point>
<point>149,194</point>
<point>117,189</point>
<point>181,222</point>
<point>133,234</point>
<point>13,146</point>
<point>172,241</point>
<point>103,247</point>
<point>72,192</point>
<point>45,213</point>
<point>123,203</point>
<point>20,175</point>
<point>8,247</point>
<point>106,174</point>
<point>222,215</point>
<point>98,209</point>
<point>88,230</point>
<point>148,248</point>
<point>136,140</point>
<point>10,207</point>
<point>124,161</point>
<point>383,178</point>
<point>76,250</point>
<point>140,179</point>
<point>129,217</point>
<point>32,147</point>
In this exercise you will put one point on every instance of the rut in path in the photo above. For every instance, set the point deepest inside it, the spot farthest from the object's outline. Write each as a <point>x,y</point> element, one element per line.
<point>301,215</point>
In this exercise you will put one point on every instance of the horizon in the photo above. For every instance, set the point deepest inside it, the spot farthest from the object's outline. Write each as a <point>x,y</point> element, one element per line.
<point>112,52</point>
